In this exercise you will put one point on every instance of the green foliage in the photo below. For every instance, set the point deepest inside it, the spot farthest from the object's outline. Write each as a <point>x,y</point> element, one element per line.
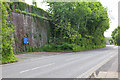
<point>22,6</point>
<point>81,23</point>
<point>63,47</point>
<point>66,47</point>
<point>74,26</point>
<point>33,49</point>
<point>35,36</point>
<point>116,36</point>
<point>7,37</point>
<point>111,41</point>
<point>29,49</point>
<point>31,14</point>
<point>9,59</point>
<point>78,48</point>
<point>27,34</point>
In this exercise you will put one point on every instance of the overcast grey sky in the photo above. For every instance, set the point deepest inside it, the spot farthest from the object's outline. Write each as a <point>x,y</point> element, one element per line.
<point>111,5</point>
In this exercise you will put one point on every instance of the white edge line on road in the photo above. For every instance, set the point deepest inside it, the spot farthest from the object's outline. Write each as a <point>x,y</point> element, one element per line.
<point>92,70</point>
<point>37,68</point>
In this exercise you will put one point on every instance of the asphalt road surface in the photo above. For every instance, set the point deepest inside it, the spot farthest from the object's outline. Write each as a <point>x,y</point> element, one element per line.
<point>66,65</point>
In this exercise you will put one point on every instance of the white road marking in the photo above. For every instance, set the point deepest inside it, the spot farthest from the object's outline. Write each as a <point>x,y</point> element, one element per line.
<point>92,70</point>
<point>37,68</point>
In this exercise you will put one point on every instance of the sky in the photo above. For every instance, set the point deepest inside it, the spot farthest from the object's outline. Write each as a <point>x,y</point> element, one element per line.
<point>111,5</point>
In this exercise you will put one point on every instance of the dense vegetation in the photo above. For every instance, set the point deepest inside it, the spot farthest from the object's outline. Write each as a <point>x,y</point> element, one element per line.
<point>78,25</point>
<point>116,36</point>
<point>21,6</point>
<point>7,38</point>
<point>74,26</point>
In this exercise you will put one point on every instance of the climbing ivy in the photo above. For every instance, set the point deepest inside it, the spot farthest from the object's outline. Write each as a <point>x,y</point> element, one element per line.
<point>22,6</point>
<point>7,37</point>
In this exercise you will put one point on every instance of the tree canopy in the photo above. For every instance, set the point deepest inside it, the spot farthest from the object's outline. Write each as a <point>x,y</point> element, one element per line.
<point>116,35</point>
<point>76,22</point>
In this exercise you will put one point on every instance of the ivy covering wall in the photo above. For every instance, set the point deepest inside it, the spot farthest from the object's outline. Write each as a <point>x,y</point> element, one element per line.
<point>7,37</point>
<point>24,7</point>
<point>31,22</point>
<point>21,20</point>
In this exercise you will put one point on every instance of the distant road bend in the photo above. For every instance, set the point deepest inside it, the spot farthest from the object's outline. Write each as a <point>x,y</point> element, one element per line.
<point>66,65</point>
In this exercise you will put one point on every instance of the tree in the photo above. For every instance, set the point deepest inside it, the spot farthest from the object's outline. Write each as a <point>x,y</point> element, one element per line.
<point>116,36</point>
<point>88,20</point>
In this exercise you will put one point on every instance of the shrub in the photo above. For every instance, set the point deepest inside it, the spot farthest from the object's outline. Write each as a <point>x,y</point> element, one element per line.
<point>58,47</point>
<point>66,46</point>
<point>47,47</point>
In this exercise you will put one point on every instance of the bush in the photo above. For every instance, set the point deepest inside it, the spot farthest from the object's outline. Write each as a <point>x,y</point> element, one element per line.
<point>47,47</point>
<point>58,47</point>
<point>78,48</point>
<point>66,46</point>
<point>9,58</point>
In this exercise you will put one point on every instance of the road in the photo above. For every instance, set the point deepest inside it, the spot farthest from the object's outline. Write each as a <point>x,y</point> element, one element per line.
<point>66,65</point>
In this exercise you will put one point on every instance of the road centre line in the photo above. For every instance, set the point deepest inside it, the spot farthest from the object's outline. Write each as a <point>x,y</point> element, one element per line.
<point>36,68</point>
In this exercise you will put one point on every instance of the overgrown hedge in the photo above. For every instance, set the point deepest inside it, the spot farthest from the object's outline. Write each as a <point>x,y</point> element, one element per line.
<point>62,47</point>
